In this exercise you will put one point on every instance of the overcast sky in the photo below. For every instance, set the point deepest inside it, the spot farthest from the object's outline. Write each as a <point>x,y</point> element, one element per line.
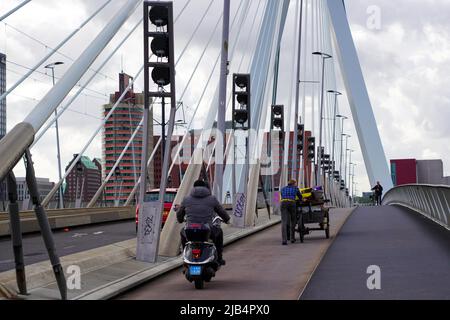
<point>404,56</point>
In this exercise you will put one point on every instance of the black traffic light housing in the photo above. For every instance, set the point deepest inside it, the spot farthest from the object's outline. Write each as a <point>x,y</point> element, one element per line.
<point>241,101</point>
<point>311,148</point>
<point>277,117</point>
<point>159,39</point>
<point>300,136</point>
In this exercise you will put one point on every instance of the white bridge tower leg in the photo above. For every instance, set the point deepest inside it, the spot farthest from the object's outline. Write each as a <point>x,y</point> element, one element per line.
<point>366,126</point>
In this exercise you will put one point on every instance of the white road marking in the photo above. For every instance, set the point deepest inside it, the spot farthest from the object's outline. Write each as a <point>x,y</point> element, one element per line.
<point>97,233</point>
<point>79,235</point>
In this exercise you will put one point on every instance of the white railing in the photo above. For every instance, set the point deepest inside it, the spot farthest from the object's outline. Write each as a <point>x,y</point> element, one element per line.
<point>432,201</point>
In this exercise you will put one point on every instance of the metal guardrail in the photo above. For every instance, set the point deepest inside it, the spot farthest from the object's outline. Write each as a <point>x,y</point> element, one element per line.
<point>433,201</point>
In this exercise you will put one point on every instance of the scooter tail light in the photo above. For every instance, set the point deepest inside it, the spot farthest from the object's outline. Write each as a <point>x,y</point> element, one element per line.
<point>196,253</point>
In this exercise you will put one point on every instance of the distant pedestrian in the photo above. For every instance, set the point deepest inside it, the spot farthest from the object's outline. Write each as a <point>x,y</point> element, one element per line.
<point>378,192</point>
<point>289,195</point>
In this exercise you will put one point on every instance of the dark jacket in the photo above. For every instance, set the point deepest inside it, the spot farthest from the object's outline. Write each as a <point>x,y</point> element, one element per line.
<point>201,207</point>
<point>378,190</point>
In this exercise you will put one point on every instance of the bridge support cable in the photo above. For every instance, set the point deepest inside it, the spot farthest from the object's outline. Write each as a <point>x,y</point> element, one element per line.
<point>99,192</point>
<point>297,95</point>
<point>177,154</point>
<point>221,113</point>
<point>93,201</point>
<point>44,109</point>
<point>262,73</point>
<point>190,125</point>
<point>83,87</point>
<point>195,30</point>
<point>228,172</point>
<point>136,186</point>
<point>53,51</point>
<point>6,15</point>
<point>168,245</point>
<point>363,116</point>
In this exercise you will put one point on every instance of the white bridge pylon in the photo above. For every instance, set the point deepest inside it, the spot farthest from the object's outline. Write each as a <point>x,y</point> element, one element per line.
<point>361,108</point>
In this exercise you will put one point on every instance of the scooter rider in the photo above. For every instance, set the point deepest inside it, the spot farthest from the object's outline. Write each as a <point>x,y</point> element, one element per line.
<point>201,207</point>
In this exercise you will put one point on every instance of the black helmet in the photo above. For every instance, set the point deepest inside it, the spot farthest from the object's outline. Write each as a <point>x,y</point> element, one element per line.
<point>201,183</point>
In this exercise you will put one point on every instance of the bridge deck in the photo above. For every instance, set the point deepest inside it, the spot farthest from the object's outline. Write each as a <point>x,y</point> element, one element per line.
<point>258,267</point>
<point>412,252</point>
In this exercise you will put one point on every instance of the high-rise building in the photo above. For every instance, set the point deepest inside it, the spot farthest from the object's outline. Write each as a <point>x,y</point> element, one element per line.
<point>83,181</point>
<point>117,132</point>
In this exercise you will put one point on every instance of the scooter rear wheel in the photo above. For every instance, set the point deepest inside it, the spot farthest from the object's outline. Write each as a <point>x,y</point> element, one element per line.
<point>199,284</point>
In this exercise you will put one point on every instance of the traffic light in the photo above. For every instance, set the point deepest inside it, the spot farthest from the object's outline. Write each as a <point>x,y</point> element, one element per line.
<point>337,175</point>
<point>159,28</point>
<point>241,101</point>
<point>277,117</point>
<point>326,162</point>
<point>311,148</point>
<point>300,134</point>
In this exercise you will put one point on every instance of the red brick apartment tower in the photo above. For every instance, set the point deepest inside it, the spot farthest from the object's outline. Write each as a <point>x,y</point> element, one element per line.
<point>116,133</point>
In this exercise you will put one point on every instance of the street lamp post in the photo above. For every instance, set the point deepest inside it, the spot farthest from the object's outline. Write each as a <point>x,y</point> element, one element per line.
<point>349,166</point>
<point>346,161</point>
<point>343,161</point>
<point>319,159</point>
<point>336,94</point>
<point>303,158</point>
<point>61,202</point>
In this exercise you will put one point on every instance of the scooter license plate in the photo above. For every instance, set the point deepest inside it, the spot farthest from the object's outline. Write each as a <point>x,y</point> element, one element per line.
<point>195,270</point>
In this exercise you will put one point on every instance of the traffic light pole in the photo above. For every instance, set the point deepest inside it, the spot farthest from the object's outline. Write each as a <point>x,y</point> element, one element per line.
<point>219,159</point>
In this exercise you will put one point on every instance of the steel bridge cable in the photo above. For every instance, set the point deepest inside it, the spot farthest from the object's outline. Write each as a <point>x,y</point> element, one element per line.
<point>61,111</point>
<point>69,170</point>
<point>195,30</point>
<point>203,94</point>
<point>133,192</point>
<point>107,117</point>
<point>43,82</point>
<point>3,96</point>
<point>49,47</point>
<point>228,144</point>
<point>201,57</point>
<point>6,15</point>
<point>112,171</point>
<point>49,76</point>
<point>101,67</point>
<point>182,54</point>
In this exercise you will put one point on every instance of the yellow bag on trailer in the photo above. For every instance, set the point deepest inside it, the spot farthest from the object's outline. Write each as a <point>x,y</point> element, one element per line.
<point>306,193</point>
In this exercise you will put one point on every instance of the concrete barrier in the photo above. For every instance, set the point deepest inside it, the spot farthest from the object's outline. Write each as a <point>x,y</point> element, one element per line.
<point>63,218</point>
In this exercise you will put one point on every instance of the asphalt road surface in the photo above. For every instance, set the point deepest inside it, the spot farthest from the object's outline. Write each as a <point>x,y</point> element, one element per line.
<point>412,252</point>
<point>258,267</point>
<point>75,240</point>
